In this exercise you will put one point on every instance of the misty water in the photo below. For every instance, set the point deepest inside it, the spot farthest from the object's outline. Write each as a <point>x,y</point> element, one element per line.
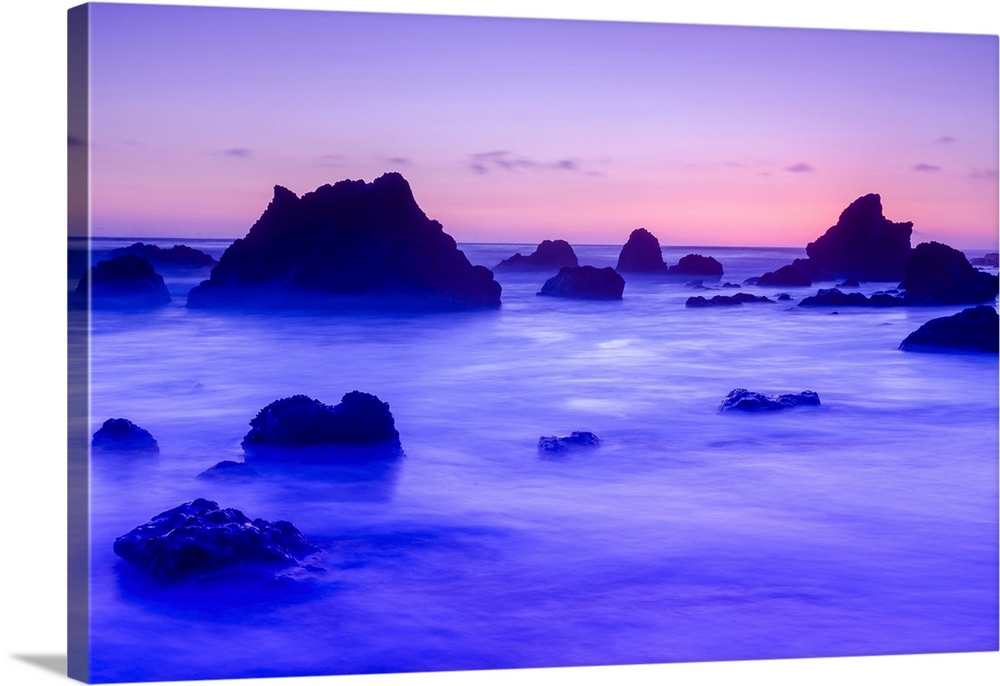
<point>867,525</point>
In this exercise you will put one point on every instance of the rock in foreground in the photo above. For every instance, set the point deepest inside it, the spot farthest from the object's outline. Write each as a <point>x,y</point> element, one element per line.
<point>199,538</point>
<point>749,401</point>
<point>788,275</point>
<point>229,470</point>
<point>548,445</point>
<point>585,282</point>
<point>120,434</point>
<point>834,297</point>
<point>641,253</point>
<point>725,300</point>
<point>549,256</point>
<point>350,245</point>
<point>937,274</point>
<point>974,328</point>
<point>127,280</point>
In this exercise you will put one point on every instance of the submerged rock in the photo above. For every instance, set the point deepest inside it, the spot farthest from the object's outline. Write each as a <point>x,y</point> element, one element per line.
<point>750,401</point>
<point>127,280</point>
<point>837,298</point>
<point>349,245</point>
<point>789,275</point>
<point>863,244</point>
<point>120,434</point>
<point>549,255</point>
<point>937,274</point>
<point>177,257</point>
<point>199,538</point>
<point>229,470</point>
<point>641,253</point>
<point>585,282</point>
<point>974,328</point>
<point>577,439</point>
<point>726,300</point>
<point>697,265</point>
<point>300,421</point>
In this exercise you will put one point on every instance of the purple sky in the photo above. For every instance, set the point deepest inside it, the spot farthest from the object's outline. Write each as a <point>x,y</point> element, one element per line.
<point>524,129</point>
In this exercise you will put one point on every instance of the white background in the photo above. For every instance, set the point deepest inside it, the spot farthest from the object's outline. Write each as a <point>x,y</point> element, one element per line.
<point>32,303</point>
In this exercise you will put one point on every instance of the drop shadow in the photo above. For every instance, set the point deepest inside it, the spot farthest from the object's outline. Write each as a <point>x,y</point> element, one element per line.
<point>50,663</point>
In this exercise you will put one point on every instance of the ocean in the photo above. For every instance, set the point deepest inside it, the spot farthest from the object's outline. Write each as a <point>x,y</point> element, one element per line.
<point>865,526</point>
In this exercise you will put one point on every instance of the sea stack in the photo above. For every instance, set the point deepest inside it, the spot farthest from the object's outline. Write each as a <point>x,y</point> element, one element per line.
<point>548,256</point>
<point>641,253</point>
<point>349,245</point>
<point>126,281</point>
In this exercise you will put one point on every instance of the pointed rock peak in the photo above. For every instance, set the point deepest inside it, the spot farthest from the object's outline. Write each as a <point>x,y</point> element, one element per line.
<point>866,208</point>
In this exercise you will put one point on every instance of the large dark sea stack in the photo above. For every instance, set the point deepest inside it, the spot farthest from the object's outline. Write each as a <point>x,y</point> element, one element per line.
<point>589,283</point>
<point>974,328</point>
<point>352,244</point>
<point>300,421</point>
<point>863,244</point>
<point>119,434</point>
<point>750,401</point>
<point>937,274</point>
<point>127,280</point>
<point>641,253</point>
<point>697,265</point>
<point>549,256</point>
<point>199,538</point>
<point>177,257</point>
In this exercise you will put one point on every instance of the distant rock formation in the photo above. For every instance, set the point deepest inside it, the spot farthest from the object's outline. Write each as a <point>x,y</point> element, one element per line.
<point>300,421</point>
<point>837,298</point>
<point>549,256</point>
<point>128,280</point>
<point>726,300</point>
<point>229,470</point>
<point>641,253</point>
<point>937,274</point>
<point>199,538</point>
<point>585,282</point>
<point>177,257</point>
<point>990,259</point>
<point>697,265</point>
<point>119,434</point>
<point>974,328</point>
<point>352,244</point>
<point>863,244</point>
<point>789,275</point>
<point>749,401</point>
<point>548,445</point>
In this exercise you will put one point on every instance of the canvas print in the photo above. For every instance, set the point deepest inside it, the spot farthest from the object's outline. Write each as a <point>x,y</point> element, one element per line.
<point>412,343</point>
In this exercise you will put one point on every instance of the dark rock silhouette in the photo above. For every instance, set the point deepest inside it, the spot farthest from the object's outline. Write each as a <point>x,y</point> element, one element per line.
<point>229,470</point>
<point>849,283</point>
<point>578,439</point>
<point>549,255</point>
<point>726,300</point>
<point>352,244</point>
<point>697,265</point>
<point>937,274</point>
<point>789,275</point>
<point>863,244</point>
<point>585,282</point>
<point>299,421</point>
<point>199,538</point>
<point>120,434</point>
<point>837,298</point>
<point>750,401</point>
<point>126,280</point>
<point>177,257</point>
<point>990,259</point>
<point>641,253</point>
<point>974,328</point>
<point>811,269</point>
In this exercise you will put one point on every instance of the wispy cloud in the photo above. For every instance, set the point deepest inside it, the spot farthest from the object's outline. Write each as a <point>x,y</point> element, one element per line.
<point>237,152</point>
<point>504,160</point>
<point>983,174</point>
<point>800,168</point>
<point>944,140</point>
<point>923,167</point>
<point>399,161</point>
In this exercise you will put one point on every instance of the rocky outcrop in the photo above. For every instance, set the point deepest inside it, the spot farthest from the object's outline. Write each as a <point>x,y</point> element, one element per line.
<point>696,265</point>
<point>863,244</point>
<point>551,445</point>
<point>832,297</point>
<point>121,435</point>
<point>641,253</point>
<point>177,257</point>
<point>300,421</point>
<point>198,538</point>
<point>748,401</point>
<point>548,256</point>
<point>589,283</point>
<point>349,245</point>
<point>990,259</point>
<point>726,300</point>
<point>229,470</point>
<point>789,275</point>
<point>974,328</point>
<point>937,274</point>
<point>127,280</point>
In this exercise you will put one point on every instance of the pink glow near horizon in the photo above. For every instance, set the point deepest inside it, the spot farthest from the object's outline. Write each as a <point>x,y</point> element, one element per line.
<point>520,130</point>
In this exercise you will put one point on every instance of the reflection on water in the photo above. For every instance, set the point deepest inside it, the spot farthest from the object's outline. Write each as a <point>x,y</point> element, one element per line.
<point>866,525</point>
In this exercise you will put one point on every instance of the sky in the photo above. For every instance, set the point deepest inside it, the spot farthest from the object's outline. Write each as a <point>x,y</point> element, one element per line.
<point>524,129</point>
